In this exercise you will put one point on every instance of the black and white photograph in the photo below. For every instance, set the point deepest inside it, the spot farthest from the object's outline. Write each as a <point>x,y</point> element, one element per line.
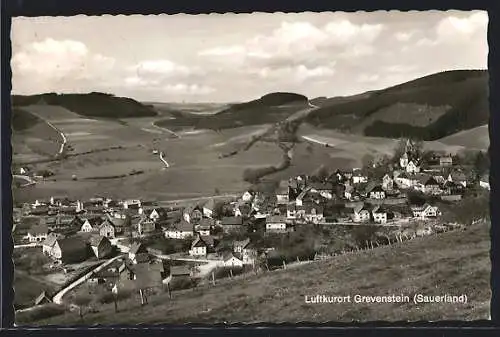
<point>250,168</point>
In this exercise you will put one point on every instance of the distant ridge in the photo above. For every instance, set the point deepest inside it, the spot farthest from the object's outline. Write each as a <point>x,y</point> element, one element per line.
<point>94,104</point>
<point>429,108</point>
<point>270,108</point>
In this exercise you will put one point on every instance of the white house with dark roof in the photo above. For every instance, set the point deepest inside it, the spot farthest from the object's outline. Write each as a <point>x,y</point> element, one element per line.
<point>276,224</point>
<point>101,246</point>
<point>208,208</point>
<point>412,167</point>
<point>107,229</point>
<point>360,213</point>
<point>180,230</point>
<point>91,225</point>
<point>198,247</point>
<point>37,233</point>
<point>425,211</point>
<point>232,260</point>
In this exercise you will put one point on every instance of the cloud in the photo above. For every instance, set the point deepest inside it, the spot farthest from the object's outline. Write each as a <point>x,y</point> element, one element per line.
<point>296,74</point>
<point>59,59</point>
<point>300,48</point>
<point>188,89</point>
<point>165,77</point>
<point>161,68</point>
<point>404,36</point>
<point>448,29</point>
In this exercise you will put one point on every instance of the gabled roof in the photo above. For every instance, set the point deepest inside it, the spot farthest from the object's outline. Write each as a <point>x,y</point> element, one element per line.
<point>209,240</point>
<point>95,221</point>
<point>242,243</point>
<point>373,185</point>
<point>275,219</point>
<point>206,223</point>
<point>210,204</point>
<point>95,240</point>
<point>38,229</point>
<point>43,296</point>
<point>198,242</point>
<point>106,223</point>
<point>359,208</point>
<point>118,222</point>
<point>183,226</point>
<point>142,257</point>
<point>231,221</point>
<point>320,186</point>
<point>51,239</point>
<point>71,244</point>
<point>136,247</point>
<point>229,255</point>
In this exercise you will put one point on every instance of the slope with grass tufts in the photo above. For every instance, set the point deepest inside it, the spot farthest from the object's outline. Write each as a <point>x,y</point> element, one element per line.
<point>452,263</point>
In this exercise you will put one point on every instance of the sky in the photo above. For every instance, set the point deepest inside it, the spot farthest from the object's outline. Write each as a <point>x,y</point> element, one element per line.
<point>240,57</point>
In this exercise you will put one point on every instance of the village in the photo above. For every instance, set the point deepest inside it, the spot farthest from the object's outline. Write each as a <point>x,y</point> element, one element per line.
<point>137,245</point>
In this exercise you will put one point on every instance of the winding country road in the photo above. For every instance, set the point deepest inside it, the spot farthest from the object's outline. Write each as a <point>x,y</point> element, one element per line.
<point>164,129</point>
<point>63,136</point>
<point>59,295</point>
<point>162,158</point>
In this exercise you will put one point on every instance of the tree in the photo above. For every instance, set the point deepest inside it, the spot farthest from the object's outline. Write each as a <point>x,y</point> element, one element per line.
<point>481,163</point>
<point>364,234</point>
<point>367,161</point>
<point>82,301</point>
<point>321,173</point>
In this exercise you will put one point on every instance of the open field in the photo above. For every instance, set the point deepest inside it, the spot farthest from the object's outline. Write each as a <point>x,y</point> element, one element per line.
<point>451,263</point>
<point>476,138</point>
<point>111,150</point>
<point>356,146</point>
<point>28,287</point>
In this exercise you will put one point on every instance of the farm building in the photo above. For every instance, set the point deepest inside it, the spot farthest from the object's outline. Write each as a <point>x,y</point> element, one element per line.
<point>192,213</point>
<point>37,233</point>
<point>180,230</point>
<point>69,250</point>
<point>136,248</point>
<point>233,223</point>
<point>101,246</point>
<point>232,260</point>
<point>107,229</point>
<point>91,225</point>
<point>276,224</point>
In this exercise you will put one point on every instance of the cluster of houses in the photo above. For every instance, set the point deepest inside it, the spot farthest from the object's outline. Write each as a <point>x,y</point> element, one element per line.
<point>74,230</point>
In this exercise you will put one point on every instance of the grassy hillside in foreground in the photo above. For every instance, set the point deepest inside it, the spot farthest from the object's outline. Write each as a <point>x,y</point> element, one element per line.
<point>270,108</point>
<point>430,108</point>
<point>448,263</point>
<point>93,104</point>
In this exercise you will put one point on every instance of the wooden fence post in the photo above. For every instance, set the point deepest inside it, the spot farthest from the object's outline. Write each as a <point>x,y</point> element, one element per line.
<point>213,278</point>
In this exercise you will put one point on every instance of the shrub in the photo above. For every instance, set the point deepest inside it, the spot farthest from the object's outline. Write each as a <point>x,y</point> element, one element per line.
<point>43,312</point>
<point>109,297</point>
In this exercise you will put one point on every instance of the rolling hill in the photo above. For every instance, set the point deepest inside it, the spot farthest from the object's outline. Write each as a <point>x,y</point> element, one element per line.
<point>23,120</point>
<point>476,138</point>
<point>270,108</point>
<point>451,263</point>
<point>93,104</point>
<point>429,108</point>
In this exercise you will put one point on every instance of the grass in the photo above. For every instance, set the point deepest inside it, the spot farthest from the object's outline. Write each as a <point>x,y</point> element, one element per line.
<point>27,288</point>
<point>449,263</point>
